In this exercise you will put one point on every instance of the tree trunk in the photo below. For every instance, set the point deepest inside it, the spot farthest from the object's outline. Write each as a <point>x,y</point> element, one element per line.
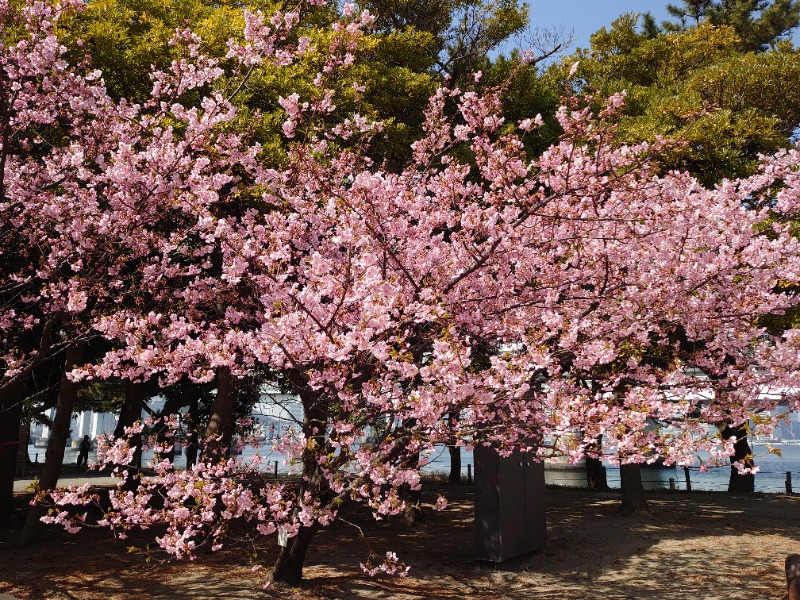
<point>455,464</point>
<point>288,568</point>
<point>596,477</point>
<point>131,409</point>
<point>740,484</point>
<point>171,407</point>
<point>219,430</point>
<point>192,441</point>
<point>23,460</point>
<point>54,456</point>
<point>10,416</point>
<point>412,514</point>
<point>130,413</point>
<point>793,576</point>
<point>455,451</point>
<point>633,499</point>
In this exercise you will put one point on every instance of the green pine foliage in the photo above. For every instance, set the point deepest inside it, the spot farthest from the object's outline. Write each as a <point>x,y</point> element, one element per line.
<point>759,24</point>
<point>722,106</point>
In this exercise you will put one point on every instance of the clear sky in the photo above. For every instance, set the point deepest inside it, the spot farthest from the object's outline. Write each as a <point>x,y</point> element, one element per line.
<point>585,17</point>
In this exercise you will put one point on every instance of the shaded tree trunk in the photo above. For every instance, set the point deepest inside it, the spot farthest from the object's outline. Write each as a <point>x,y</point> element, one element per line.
<point>10,416</point>
<point>455,453</point>
<point>412,514</point>
<point>171,407</point>
<point>792,566</point>
<point>633,499</point>
<point>412,499</point>
<point>23,460</point>
<point>54,455</point>
<point>596,477</point>
<point>288,568</point>
<point>455,464</point>
<point>130,413</point>
<point>193,442</point>
<point>738,483</point>
<point>219,430</point>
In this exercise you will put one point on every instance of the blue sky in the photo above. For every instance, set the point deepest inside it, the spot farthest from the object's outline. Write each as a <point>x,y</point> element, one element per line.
<point>587,16</point>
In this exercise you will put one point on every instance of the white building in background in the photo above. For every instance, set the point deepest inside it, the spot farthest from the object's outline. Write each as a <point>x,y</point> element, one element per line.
<point>89,423</point>
<point>274,413</point>
<point>92,424</point>
<point>83,423</point>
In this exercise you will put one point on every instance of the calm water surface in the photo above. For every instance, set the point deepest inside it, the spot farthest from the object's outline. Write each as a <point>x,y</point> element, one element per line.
<point>771,476</point>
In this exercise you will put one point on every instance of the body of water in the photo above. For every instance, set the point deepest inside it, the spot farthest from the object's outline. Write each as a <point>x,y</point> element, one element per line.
<point>770,478</point>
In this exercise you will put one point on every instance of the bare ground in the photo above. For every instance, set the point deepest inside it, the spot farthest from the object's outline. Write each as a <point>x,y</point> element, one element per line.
<point>698,545</point>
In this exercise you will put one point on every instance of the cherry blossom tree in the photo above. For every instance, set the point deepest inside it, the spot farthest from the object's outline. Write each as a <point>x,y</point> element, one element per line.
<point>52,116</point>
<point>613,297</point>
<point>92,189</point>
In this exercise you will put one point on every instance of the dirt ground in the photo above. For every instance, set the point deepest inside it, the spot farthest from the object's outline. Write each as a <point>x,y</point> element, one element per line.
<point>698,545</point>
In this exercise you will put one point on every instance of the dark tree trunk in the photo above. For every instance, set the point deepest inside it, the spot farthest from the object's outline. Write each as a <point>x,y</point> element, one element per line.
<point>193,441</point>
<point>793,576</point>
<point>131,409</point>
<point>23,460</point>
<point>130,413</point>
<point>455,464</point>
<point>288,568</point>
<point>596,477</point>
<point>54,456</point>
<point>740,484</point>
<point>455,451</point>
<point>219,430</point>
<point>633,499</point>
<point>412,514</point>
<point>10,416</point>
<point>171,407</point>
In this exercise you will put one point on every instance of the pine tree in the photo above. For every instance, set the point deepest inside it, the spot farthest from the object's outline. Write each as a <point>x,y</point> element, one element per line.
<point>691,13</point>
<point>758,23</point>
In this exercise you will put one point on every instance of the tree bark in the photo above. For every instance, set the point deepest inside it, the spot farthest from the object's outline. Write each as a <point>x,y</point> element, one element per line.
<point>171,407</point>
<point>130,413</point>
<point>455,452</point>
<point>54,455</point>
<point>793,576</point>
<point>10,416</point>
<point>23,460</point>
<point>192,441</point>
<point>455,464</point>
<point>596,477</point>
<point>412,514</point>
<point>219,430</point>
<point>738,483</point>
<point>288,568</point>
<point>131,409</point>
<point>633,499</point>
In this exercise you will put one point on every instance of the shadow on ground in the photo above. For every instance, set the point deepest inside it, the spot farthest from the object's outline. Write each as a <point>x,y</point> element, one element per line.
<point>693,545</point>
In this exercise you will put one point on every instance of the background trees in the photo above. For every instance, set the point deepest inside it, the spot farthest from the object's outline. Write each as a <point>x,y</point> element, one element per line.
<point>758,24</point>
<point>696,86</point>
